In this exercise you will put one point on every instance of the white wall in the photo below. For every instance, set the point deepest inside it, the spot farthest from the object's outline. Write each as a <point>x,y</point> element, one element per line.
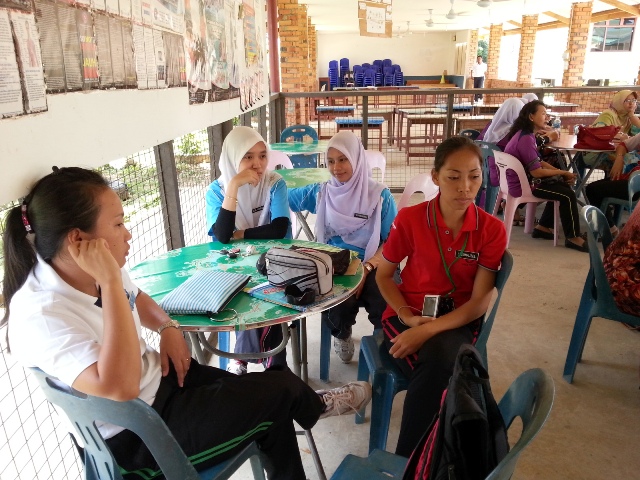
<point>417,54</point>
<point>548,62</point>
<point>94,128</point>
<point>509,52</point>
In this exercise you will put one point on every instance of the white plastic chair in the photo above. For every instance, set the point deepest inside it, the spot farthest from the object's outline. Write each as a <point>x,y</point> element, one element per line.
<point>505,162</point>
<point>376,159</point>
<point>420,183</point>
<point>277,158</point>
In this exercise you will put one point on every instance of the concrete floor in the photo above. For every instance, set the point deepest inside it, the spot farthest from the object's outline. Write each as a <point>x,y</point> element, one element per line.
<point>594,421</point>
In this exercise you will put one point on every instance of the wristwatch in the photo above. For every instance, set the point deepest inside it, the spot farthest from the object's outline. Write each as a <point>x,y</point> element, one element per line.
<point>368,266</point>
<point>170,323</point>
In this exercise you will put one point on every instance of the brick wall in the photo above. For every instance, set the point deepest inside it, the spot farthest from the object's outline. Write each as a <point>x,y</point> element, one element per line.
<point>577,43</point>
<point>497,83</point>
<point>493,59</point>
<point>527,47</point>
<point>313,56</point>
<point>293,29</point>
<point>472,55</point>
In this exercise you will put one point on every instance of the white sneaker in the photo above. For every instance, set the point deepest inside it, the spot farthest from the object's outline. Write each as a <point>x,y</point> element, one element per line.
<point>348,399</point>
<point>239,368</point>
<point>344,348</point>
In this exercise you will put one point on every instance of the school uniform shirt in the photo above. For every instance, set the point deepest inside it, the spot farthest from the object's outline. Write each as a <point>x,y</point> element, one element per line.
<point>478,69</point>
<point>522,146</point>
<point>306,198</point>
<point>59,329</point>
<point>279,205</point>
<point>480,243</point>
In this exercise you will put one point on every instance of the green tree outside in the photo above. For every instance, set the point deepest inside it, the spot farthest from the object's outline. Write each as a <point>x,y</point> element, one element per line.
<point>483,50</point>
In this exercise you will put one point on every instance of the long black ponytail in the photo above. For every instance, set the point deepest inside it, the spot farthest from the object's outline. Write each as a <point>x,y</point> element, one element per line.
<point>59,202</point>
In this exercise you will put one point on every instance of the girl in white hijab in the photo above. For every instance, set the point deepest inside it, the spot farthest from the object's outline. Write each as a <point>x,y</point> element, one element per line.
<point>248,201</point>
<point>355,212</point>
<point>503,120</point>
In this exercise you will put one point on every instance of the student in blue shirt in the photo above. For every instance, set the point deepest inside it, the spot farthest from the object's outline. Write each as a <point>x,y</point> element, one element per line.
<point>355,212</point>
<point>248,201</point>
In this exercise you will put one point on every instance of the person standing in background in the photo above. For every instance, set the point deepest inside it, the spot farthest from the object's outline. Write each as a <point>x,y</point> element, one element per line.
<point>477,73</point>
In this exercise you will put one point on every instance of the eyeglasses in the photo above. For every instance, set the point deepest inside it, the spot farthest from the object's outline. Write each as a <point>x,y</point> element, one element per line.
<point>631,101</point>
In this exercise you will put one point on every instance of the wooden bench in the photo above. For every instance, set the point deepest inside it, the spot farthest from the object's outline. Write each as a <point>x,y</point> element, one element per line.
<point>353,123</point>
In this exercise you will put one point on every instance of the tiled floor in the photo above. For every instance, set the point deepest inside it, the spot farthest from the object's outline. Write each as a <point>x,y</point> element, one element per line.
<point>593,428</point>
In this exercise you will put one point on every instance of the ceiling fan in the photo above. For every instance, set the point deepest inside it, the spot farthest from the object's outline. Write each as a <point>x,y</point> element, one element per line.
<point>485,3</point>
<point>429,22</point>
<point>453,14</point>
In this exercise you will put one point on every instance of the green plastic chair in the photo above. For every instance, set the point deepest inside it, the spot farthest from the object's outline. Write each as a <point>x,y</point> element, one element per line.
<point>490,192</point>
<point>529,397</point>
<point>376,365</point>
<point>597,299</point>
<point>137,416</point>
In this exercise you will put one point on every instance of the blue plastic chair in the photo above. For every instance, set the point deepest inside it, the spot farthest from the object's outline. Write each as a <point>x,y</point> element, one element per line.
<point>490,192</point>
<point>596,300</point>
<point>375,364</point>
<point>297,134</point>
<point>529,397</point>
<point>138,417</point>
<point>634,187</point>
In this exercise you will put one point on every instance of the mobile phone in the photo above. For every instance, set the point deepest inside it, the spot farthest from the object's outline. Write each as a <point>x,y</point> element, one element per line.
<point>430,305</point>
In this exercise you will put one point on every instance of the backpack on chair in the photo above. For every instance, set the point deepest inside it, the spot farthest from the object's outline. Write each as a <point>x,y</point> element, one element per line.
<point>467,438</point>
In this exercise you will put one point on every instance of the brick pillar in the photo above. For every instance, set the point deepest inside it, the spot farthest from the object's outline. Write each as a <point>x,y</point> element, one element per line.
<point>493,59</point>
<point>527,48</point>
<point>293,31</point>
<point>472,55</point>
<point>577,43</point>
<point>313,56</point>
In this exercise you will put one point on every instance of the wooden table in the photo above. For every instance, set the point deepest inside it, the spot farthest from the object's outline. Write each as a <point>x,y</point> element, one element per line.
<point>329,112</point>
<point>355,123</point>
<point>433,135</point>
<point>474,122</point>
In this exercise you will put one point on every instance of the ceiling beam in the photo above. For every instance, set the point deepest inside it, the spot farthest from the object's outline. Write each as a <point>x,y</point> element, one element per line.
<point>560,18</point>
<point>632,9</point>
<point>596,17</point>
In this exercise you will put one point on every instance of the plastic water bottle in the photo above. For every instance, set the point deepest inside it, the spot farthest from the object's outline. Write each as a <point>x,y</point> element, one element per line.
<point>557,123</point>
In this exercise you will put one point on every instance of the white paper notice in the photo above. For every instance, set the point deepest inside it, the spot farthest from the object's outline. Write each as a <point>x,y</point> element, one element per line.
<point>150,58</point>
<point>136,10</point>
<point>26,34</point>
<point>125,8</point>
<point>375,19</point>
<point>138,51</point>
<point>10,91</point>
<point>161,64</point>
<point>99,5</point>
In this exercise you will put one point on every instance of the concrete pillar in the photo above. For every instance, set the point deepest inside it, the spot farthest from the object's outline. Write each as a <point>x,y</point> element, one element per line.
<point>493,59</point>
<point>527,48</point>
<point>577,43</point>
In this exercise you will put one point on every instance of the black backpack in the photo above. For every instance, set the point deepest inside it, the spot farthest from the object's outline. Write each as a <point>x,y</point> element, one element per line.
<point>467,438</point>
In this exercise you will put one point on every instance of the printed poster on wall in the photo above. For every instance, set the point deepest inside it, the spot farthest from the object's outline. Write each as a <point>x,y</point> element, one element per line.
<point>30,61</point>
<point>10,89</point>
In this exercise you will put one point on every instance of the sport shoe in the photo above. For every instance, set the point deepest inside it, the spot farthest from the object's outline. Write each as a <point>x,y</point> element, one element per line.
<point>344,348</point>
<point>239,368</point>
<point>348,399</point>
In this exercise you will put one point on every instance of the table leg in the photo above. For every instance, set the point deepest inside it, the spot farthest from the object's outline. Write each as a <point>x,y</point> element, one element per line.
<point>380,138</point>
<point>196,348</point>
<point>244,356</point>
<point>303,223</point>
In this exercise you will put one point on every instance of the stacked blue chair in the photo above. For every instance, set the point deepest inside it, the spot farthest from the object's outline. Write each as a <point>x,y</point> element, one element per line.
<point>366,65</point>
<point>398,78</point>
<point>369,79</point>
<point>334,75</point>
<point>358,75</point>
<point>387,76</point>
<point>378,78</point>
<point>386,63</point>
<point>297,134</point>
<point>378,64</point>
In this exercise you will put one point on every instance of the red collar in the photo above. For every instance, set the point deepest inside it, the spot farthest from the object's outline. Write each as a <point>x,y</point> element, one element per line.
<point>471,217</point>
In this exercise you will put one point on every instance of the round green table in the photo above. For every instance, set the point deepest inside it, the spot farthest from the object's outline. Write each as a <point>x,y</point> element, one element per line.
<point>161,274</point>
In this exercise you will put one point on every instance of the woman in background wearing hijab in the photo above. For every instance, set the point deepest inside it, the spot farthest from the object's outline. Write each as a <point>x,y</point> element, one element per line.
<point>248,201</point>
<point>619,114</point>
<point>355,212</point>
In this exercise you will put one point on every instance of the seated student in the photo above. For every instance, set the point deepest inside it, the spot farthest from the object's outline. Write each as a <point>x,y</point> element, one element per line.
<point>453,249</point>
<point>627,156</point>
<point>355,212</point>
<point>523,146</point>
<point>248,201</point>
<point>526,98</point>
<point>621,265</point>
<point>73,311</point>
<point>620,114</point>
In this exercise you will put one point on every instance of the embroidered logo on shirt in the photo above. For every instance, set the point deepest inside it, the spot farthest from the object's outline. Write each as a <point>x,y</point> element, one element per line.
<point>467,255</point>
<point>361,215</point>
<point>257,209</point>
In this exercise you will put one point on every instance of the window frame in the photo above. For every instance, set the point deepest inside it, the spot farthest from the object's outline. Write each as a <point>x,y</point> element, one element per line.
<point>607,26</point>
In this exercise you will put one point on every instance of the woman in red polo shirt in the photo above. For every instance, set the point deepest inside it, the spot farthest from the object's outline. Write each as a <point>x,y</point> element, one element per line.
<point>444,240</point>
